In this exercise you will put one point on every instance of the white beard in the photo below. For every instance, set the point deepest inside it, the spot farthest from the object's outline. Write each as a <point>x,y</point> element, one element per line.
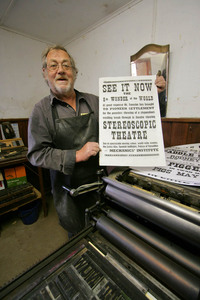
<point>63,89</point>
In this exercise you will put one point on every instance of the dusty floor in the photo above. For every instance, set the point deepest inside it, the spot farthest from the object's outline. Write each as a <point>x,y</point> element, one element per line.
<point>22,246</point>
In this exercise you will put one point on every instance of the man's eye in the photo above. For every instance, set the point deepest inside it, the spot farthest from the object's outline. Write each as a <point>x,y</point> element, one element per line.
<point>53,66</point>
<point>66,66</point>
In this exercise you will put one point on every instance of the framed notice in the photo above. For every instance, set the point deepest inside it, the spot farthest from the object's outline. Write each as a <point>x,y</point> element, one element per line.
<point>130,132</point>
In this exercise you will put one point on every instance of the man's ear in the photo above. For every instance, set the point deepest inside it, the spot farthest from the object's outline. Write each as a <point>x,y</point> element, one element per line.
<point>44,73</point>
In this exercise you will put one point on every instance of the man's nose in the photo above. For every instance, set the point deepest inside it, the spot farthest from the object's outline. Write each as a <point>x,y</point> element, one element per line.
<point>60,68</point>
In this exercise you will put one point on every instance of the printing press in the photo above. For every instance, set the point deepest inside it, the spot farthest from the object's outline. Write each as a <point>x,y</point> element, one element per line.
<point>142,241</point>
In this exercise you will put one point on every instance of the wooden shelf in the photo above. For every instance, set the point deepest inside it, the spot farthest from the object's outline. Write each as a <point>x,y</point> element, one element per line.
<point>7,163</point>
<point>19,201</point>
<point>36,172</point>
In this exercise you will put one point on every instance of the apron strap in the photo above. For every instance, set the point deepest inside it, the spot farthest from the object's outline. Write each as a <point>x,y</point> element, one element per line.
<point>54,115</point>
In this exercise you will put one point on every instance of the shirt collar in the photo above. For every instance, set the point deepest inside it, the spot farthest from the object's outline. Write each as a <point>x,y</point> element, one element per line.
<point>54,99</point>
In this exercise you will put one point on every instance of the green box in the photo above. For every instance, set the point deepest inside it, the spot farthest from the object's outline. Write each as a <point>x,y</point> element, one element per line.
<point>16,181</point>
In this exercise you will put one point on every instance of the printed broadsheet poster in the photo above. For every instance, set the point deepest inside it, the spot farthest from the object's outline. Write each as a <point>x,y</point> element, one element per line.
<point>183,166</point>
<point>130,132</point>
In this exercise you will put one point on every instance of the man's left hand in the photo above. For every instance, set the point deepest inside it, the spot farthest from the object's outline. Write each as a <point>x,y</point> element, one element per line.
<point>160,83</point>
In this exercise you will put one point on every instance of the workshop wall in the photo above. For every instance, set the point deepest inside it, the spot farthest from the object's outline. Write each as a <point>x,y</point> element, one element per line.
<point>22,83</point>
<point>106,50</point>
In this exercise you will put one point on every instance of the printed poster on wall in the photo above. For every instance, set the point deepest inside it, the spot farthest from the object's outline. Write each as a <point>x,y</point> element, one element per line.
<point>130,132</point>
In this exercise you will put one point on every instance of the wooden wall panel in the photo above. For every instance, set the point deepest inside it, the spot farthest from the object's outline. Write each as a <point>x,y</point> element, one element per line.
<point>180,131</point>
<point>167,128</point>
<point>193,133</point>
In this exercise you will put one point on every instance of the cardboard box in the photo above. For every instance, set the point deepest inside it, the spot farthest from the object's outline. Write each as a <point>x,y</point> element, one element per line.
<point>15,176</point>
<point>20,171</point>
<point>9,174</point>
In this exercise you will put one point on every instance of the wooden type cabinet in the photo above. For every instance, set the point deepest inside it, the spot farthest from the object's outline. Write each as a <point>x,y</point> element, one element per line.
<point>26,194</point>
<point>34,174</point>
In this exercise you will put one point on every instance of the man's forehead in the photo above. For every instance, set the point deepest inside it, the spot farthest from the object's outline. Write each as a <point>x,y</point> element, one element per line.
<point>57,54</point>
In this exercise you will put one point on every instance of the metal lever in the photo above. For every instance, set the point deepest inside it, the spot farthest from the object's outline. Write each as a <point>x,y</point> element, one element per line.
<point>85,188</point>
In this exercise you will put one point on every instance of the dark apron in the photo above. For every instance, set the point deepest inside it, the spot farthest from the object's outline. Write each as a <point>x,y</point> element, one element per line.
<point>74,133</point>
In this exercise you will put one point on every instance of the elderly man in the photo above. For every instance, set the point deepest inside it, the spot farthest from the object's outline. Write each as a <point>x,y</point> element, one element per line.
<point>63,137</point>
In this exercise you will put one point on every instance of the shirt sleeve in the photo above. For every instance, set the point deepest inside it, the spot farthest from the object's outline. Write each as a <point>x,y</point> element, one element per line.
<point>41,149</point>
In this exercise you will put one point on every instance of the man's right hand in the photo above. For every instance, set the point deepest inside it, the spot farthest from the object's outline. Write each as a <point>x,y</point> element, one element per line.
<point>88,150</point>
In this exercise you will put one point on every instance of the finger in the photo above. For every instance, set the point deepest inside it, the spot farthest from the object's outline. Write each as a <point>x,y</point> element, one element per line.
<point>94,153</point>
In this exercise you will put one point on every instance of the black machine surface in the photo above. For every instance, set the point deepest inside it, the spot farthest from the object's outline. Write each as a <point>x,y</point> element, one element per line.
<point>142,241</point>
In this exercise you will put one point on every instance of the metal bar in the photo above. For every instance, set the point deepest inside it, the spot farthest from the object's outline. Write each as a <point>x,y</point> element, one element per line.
<point>191,215</point>
<point>178,226</point>
<point>173,251</point>
<point>178,279</point>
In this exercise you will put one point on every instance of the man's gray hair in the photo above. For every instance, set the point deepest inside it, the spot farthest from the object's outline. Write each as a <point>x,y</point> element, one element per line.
<point>57,47</point>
